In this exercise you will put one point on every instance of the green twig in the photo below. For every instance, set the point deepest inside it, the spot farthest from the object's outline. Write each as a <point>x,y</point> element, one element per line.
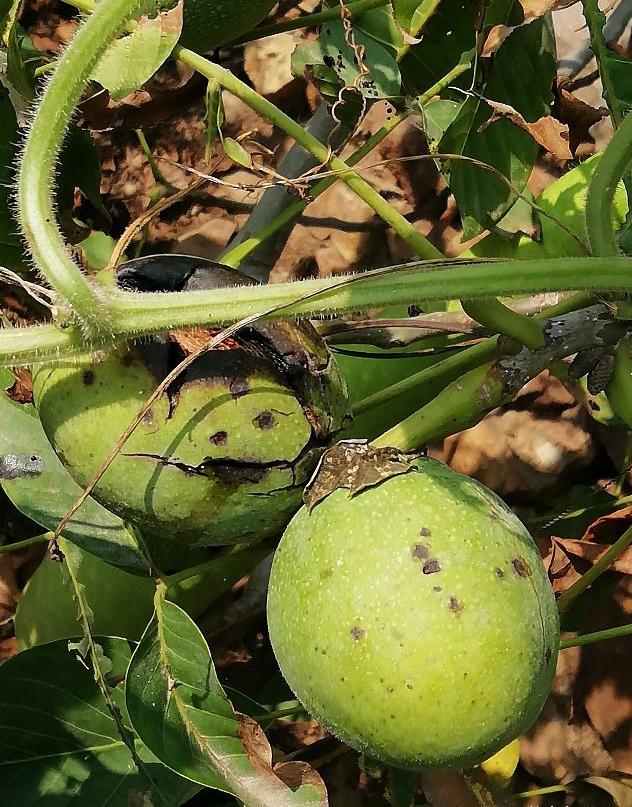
<point>356,183</point>
<point>235,255</point>
<point>356,8</point>
<point>18,546</point>
<point>542,791</point>
<point>497,317</point>
<point>430,380</point>
<point>595,20</point>
<point>602,565</point>
<point>582,639</point>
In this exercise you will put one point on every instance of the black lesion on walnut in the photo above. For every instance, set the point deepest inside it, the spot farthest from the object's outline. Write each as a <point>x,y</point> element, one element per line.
<point>88,378</point>
<point>356,633</point>
<point>264,421</point>
<point>455,606</point>
<point>520,567</point>
<point>419,551</point>
<point>431,566</point>
<point>219,438</point>
<point>499,573</point>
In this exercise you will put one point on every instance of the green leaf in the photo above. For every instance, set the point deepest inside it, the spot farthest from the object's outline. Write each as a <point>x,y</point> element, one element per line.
<point>131,61</point>
<point>80,168</point>
<point>11,254</point>
<point>59,742</point>
<point>565,200</point>
<point>97,249</point>
<point>620,70</point>
<point>335,63</point>
<point>180,711</point>
<point>413,14</point>
<point>8,14</point>
<point>524,83</point>
<point>46,498</point>
<point>450,32</point>
<point>214,115</point>
<point>436,117</point>
<point>236,152</point>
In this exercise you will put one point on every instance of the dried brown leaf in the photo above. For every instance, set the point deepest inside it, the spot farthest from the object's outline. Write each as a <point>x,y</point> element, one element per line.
<point>292,774</point>
<point>546,131</point>
<point>579,115</point>
<point>620,788</point>
<point>537,8</point>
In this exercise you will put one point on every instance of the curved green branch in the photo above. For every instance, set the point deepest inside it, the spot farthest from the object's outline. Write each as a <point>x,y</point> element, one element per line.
<point>35,199</point>
<point>603,184</point>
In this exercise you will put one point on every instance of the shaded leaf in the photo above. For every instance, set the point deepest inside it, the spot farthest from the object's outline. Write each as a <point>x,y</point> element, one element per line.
<point>515,79</point>
<point>47,497</point>
<point>59,742</point>
<point>453,22</point>
<point>182,714</point>
<point>131,61</point>
<point>546,131</point>
<point>11,254</point>
<point>81,168</point>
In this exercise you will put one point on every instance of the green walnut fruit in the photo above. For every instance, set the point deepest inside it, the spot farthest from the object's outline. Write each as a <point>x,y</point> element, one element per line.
<point>223,454</point>
<point>414,618</point>
<point>211,23</point>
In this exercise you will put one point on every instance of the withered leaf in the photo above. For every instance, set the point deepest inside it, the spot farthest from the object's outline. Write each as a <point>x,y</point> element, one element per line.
<point>548,132</point>
<point>592,552</point>
<point>355,466</point>
<point>620,788</point>
<point>579,115</point>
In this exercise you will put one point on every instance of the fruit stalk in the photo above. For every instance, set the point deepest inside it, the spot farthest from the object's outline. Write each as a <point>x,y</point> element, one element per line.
<point>462,403</point>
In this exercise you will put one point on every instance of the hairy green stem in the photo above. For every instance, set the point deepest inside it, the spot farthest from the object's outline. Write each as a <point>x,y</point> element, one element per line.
<point>36,178</point>
<point>497,317</point>
<point>603,184</point>
<point>356,183</point>
<point>602,565</point>
<point>134,315</point>
<point>582,639</point>
<point>357,8</point>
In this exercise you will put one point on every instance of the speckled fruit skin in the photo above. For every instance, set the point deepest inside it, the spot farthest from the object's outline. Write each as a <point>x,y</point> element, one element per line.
<point>220,460</point>
<point>211,23</point>
<point>415,620</point>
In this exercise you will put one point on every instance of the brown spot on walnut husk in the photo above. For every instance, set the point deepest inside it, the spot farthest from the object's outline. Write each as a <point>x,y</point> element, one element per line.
<point>455,606</point>
<point>409,686</point>
<point>219,438</point>
<point>419,551</point>
<point>437,588</point>
<point>521,568</point>
<point>239,387</point>
<point>499,573</point>
<point>431,566</point>
<point>356,633</point>
<point>425,532</point>
<point>264,421</point>
<point>547,654</point>
<point>88,377</point>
